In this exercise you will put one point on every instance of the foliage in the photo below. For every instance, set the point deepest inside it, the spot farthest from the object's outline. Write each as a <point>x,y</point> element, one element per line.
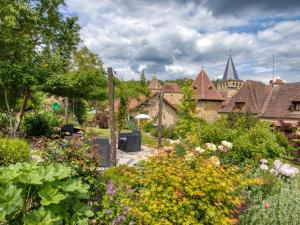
<point>41,124</point>
<point>126,91</point>
<point>13,151</point>
<point>37,40</point>
<point>281,208</point>
<point>241,121</point>
<point>80,110</point>
<point>171,190</point>
<point>143,78</point>
<point>252,140</point>
<point>187,120</point>
<point>258,142</point>
<point>42,194</point>
<point>77,155</point>
<point>102,120</point>
<point>4,121</point>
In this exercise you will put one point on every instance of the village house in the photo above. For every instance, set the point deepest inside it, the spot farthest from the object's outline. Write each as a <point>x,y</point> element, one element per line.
<point>273,102</point>
<point>149,105</point>
<point>209,100</point>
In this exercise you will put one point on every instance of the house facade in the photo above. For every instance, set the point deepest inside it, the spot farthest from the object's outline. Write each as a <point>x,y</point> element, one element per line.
<point>275,101</point>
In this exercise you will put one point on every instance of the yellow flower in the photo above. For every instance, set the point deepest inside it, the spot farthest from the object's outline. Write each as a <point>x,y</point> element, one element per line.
<point>215,160</point>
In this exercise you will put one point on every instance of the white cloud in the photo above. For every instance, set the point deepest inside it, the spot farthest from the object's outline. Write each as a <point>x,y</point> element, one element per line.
<point>172,38</point>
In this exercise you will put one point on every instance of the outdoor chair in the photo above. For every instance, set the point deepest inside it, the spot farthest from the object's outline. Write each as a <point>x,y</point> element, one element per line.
<point>102,147</point>
<point>130,142</point>
<point>69,128</point>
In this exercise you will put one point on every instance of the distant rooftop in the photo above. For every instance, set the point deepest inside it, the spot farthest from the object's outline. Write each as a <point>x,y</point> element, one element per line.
<point>230,71</point>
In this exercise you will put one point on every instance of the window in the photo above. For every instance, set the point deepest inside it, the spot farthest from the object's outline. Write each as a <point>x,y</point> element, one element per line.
<point>295,106</point>
<point>239,106</point>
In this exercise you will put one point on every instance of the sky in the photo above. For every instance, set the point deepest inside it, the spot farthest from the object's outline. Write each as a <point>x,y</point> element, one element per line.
<point>176,38</point>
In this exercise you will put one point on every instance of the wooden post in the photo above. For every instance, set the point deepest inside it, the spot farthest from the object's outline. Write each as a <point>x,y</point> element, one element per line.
<point>160,127</point>
<point>111,90</point>
<point>66,120</point>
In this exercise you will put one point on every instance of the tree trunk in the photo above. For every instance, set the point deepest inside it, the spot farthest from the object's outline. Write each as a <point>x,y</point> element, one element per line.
<point>9,113</point>
<point>113,150</point>
<point>66,119</point>
<point>160,112</point>
<point>20,115</point>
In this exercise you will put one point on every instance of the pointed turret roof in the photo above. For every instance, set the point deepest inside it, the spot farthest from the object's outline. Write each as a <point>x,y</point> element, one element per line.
<point>154,84</point>
<point>205,89</point>
<point>230,71</point>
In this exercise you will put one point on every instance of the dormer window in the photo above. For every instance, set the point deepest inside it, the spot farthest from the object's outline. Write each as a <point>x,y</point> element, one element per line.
<point>238,107</point>
<point>295,106</point>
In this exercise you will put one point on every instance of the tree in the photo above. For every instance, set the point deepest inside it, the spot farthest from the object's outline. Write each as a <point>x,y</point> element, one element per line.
<point>127,90</point>
<point>36,41</point>
<point>187,112</point>
<point>143,78</point>
<point>85,79</point>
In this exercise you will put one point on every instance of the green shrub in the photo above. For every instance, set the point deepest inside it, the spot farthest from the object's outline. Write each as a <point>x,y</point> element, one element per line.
<point>168,189</point>
<point>258,142</point>
<point>13,151</point>
<point>40,124</point>
<point>4,121</point>
<point>42,194</point>
<point>170,133</point>
<point>281,208</point>
<point>148,127</point>
<point>80,110</point>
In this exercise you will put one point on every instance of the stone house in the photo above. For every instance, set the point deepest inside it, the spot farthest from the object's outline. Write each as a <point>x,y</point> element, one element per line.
<point>209,100</point>
<point>276,101</point>
<point>150,106</point>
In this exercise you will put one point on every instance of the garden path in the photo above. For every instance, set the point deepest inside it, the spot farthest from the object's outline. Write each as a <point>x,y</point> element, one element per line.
<point>131,158</point>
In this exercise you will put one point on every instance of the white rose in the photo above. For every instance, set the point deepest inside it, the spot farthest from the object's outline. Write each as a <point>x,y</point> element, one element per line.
<point>227,144</point>
<point>210,146</point>
<point>264,167</point>
<point>199,150</point>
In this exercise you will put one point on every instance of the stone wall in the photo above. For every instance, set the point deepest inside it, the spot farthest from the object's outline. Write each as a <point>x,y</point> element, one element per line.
<point>174,98</point>
<point>208,110</point>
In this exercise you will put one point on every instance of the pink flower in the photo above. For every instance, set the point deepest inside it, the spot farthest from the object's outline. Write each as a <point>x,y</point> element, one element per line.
<point>266,205</point>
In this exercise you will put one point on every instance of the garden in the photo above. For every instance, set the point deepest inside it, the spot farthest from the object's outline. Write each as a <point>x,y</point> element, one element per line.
<point>236,170</point>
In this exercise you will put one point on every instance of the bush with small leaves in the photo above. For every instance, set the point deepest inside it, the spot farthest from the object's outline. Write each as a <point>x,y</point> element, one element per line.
<point>13,151</point>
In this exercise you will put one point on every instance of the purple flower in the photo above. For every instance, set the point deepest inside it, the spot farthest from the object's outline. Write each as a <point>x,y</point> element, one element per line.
<point>113,222</point>
<point>110,188</point>
<point>120,218</point>
<point>108,211</point>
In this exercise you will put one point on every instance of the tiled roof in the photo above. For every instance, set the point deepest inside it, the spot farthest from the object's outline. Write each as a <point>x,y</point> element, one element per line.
<point>154,84</point>
<point>204,88</point>
<point>171,88</point>
<point>266,100</point>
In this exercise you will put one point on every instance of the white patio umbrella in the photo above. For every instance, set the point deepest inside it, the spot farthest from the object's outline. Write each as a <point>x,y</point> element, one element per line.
<point>143,116</point>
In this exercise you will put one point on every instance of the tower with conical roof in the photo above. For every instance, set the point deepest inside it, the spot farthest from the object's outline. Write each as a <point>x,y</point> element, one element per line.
<point>231,81</point>
<point>209,100</point>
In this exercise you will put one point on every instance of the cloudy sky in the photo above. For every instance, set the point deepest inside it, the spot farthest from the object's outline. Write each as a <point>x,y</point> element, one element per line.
<point>175,38</point>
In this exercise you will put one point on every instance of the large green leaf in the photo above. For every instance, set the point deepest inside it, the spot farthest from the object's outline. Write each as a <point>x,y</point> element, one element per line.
<point>10,200</point>
<point>31,174</point>
<point>57,172</point>
<point>8,174</point>
<point>50,194</point>
<point>75,185</point>
<point>42,217</point>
